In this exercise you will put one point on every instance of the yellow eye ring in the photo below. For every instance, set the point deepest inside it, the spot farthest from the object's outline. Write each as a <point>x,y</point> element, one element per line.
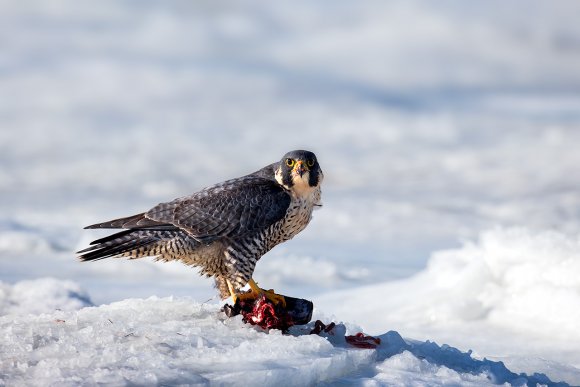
<point>290,162</point>
<point>310,163</point>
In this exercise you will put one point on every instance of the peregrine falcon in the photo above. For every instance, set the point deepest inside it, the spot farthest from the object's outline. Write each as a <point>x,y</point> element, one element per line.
<point>223,229</point>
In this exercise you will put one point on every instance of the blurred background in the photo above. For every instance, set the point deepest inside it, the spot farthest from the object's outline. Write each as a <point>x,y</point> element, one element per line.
<point>433,121</point>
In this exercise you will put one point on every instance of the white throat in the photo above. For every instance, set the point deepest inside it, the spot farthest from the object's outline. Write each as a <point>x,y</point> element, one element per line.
<point>301,188</point>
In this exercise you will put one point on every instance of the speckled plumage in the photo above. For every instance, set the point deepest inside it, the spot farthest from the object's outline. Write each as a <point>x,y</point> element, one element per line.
<point>223,229</point>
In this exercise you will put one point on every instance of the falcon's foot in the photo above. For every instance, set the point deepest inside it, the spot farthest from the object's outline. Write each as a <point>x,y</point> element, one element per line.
<point>255,292</point>
<point>264,313</point>
<point>269,294</point>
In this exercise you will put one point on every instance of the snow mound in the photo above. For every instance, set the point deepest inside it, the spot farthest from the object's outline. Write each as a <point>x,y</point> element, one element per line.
<point>163,341</point>
<point>41,296</point>
<point>510,289</point>
<point>169,341</point>
<point>514,278</point>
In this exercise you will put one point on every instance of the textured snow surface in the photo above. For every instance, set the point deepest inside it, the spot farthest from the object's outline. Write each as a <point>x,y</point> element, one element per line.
<point>177,341</point>
<point>162,341</point>
<point>511,289</point>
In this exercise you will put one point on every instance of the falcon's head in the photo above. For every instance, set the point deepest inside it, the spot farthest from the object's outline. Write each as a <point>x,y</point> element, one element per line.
<point>299,171</point>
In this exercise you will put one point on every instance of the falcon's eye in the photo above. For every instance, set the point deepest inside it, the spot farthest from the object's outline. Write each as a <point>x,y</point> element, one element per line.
<point>290,162</point>
<point>310,162</point>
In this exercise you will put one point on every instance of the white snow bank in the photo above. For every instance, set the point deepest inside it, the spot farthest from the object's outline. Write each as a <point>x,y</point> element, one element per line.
<point>41,296</point>
<point>510,277</point>
<point>172,341</point>
<point>163,341</point>
<point>515,278</point>
<point>511,294</point>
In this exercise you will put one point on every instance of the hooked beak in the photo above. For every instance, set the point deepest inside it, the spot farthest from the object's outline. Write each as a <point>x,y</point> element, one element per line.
<point>300,168</point>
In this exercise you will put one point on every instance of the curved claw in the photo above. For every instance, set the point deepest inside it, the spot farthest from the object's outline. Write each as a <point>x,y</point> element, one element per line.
<point>255,292</point>
<point>269,294</point>
<point>274,297</point>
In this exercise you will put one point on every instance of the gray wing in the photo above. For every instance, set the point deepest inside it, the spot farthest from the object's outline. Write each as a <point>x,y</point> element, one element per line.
<point>138,221</point>
<point>232,209</point>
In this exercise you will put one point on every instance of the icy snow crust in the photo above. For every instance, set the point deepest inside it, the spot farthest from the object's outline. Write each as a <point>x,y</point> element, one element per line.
<point>163,341</point>
<point>171,341</point>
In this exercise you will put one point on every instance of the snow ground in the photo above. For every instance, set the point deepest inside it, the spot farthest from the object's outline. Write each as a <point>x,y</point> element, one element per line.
<point>168,341</point>
<point>510,297</point>
<point>509,290</point>
<point>447,133</point>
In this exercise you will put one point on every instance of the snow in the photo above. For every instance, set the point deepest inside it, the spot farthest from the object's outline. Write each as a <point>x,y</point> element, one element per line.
<point>172,341</point>
<point>41,296</point>
<point>447,133</point>
<point>162,341</point>
<point>511,277</point>
<point>511,288</point>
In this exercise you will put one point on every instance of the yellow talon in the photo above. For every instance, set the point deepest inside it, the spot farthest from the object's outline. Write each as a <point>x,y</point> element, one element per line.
<point>255,292</point>
<point>232,291</point>
<point>270,295</point>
